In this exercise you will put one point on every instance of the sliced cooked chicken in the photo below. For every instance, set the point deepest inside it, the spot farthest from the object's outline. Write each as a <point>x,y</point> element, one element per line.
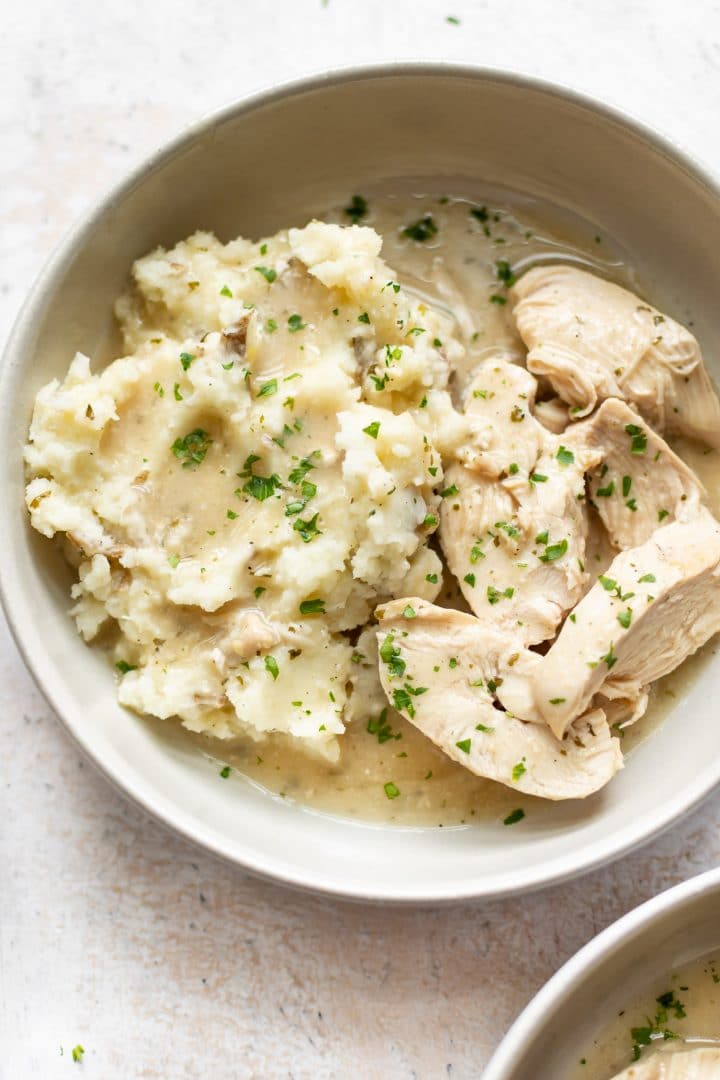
<point>513,523</point>
<point>593,340</point>
<point>637,481</point>
<point>439,669</point>
<point>655,606</point>
<point>701,1063</point>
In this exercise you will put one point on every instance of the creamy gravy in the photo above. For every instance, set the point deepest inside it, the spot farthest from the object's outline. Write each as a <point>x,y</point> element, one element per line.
<point>693,990</point>
<point>455,270</point>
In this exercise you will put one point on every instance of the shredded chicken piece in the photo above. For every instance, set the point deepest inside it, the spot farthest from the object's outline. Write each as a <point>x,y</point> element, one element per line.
<point>593,340</point>
<point>439,668</point>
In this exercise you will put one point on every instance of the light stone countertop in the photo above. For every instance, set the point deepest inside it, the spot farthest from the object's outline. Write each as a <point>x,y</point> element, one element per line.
<point>161,961</point>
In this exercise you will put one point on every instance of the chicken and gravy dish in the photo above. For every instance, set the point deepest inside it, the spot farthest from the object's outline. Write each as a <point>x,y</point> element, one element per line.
<point>671,1033</point>
<point>413,525</point>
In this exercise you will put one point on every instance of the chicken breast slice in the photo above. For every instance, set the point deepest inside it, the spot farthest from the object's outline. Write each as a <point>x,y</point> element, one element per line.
<point>637,481</point>
<point>438,667</point>
<point>701,1063</point>
<point>513,523</point>
<point>593,340</point>
<point>655,606</point>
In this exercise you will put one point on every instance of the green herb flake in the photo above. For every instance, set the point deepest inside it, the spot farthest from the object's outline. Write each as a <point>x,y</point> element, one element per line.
<point>372,429</point>
<point>513,468</point>
<point>565,456</point>
<point>464,745</point>
<point>268,388</point>
<point>537,478</point>
<point>77,1052</point>
<point>192,448</point>
<point>186,360</point>
<point>514,817</point>
<point>296,323</point>
<point>312,607</point>
<point>271,666</point>
<point>607,491</point>
<point>364,318</point>
<point>391,790</point>
<point>123,667</point>
<point>554,551</point>
<point>519,770</point>
<point>625,618</point>
<point>500,300</point>
<point>409,612</point>
<point>267,272</point>
<point>662,514</point>
<point>557,700</point>
<point>484,728</point>
<point>504,273</point>
<point>452,490</point>
<point>176,392</point>
<point>647,578</point>
<point>638,444</point>
<point>469,579</point>
<point>626,485</point>
<point>357,209</point>
<point>432,578</point>
<point>421,230</point>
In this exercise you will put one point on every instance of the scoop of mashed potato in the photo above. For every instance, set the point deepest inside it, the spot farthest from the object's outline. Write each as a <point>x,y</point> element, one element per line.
<point>252,478</point>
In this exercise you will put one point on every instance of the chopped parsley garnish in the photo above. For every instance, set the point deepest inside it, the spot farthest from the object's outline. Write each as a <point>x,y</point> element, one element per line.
<point>271,326</point>
<point>625,618</point>
<point>295,323</point>
<point>464,745</point>
<point>409,612</point>
<point>610,658</point>
<point>192,448</point>
<point>176,392</point>
<point>123,667</point>
<point>174,561</point>
<point>663,514</point>
<point>259,590</point>
<point>77,1052</point>
<point>554,551</point>
<point>421,230</point>
<point>494,596</point>
<point>476,553</point>
<point>452,490</point>
<point>638,444</point>
<point>357,209</point>
<point>364,318</point>
<point>469,579</point>
<point>261,487</point>
<point>372,429</point>
<point>268,273</point>
<point>513,468</point>
<point>312,607</point>
<point>429,520</point>
<point>565,456</point>
<point>225,291</point>
<point>508,528</point>
<point>626,485</point>
<point>432,578</point>
<point>517,415</point>
<point>609,584</point>
<point>391,790</point>
<point>607,491</point>
<point>514,817</point>
<point>379,726</point>
<point>268,388</point>
<point>390,655</point>
<point>308,529</point>
<point>300,470</point>
<point>495,299</point>
<point>647,577</point>
<point>402,700</point>
<point>271,666</point>
<point>504,272</point>
<point>519,770</point>
<point>537,478</point>
<point>225,772</point>
<point>542,537</point>
<point>454,21</point>
<point>186,360</point>
<point>484,728</point>
<point>557,700</point>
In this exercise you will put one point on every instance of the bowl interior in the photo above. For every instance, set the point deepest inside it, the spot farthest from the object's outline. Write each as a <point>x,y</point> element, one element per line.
<point>607,976</point>
<point>272,163</point>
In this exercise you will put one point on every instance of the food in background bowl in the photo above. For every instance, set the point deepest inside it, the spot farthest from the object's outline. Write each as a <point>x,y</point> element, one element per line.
<point>251,494</point>
<point>671,1033</point>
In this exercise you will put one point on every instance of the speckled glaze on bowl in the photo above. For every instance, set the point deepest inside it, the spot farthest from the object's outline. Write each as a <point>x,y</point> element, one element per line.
<point>558,1026</point>
<point>267,162</point>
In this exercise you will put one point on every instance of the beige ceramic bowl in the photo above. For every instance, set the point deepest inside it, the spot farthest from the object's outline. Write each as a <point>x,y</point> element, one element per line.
<point>271,161</point>
<point>559,1025</point>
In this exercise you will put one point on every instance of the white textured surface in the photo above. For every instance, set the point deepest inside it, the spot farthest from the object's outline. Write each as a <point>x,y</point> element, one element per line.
<point>160,961</point>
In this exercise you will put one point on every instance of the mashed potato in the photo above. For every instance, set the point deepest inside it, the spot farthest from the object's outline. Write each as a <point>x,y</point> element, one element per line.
<point>245,485</point>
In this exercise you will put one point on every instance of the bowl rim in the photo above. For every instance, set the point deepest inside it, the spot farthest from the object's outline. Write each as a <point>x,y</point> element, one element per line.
<point>252,859</point>
<point>560,989</point>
